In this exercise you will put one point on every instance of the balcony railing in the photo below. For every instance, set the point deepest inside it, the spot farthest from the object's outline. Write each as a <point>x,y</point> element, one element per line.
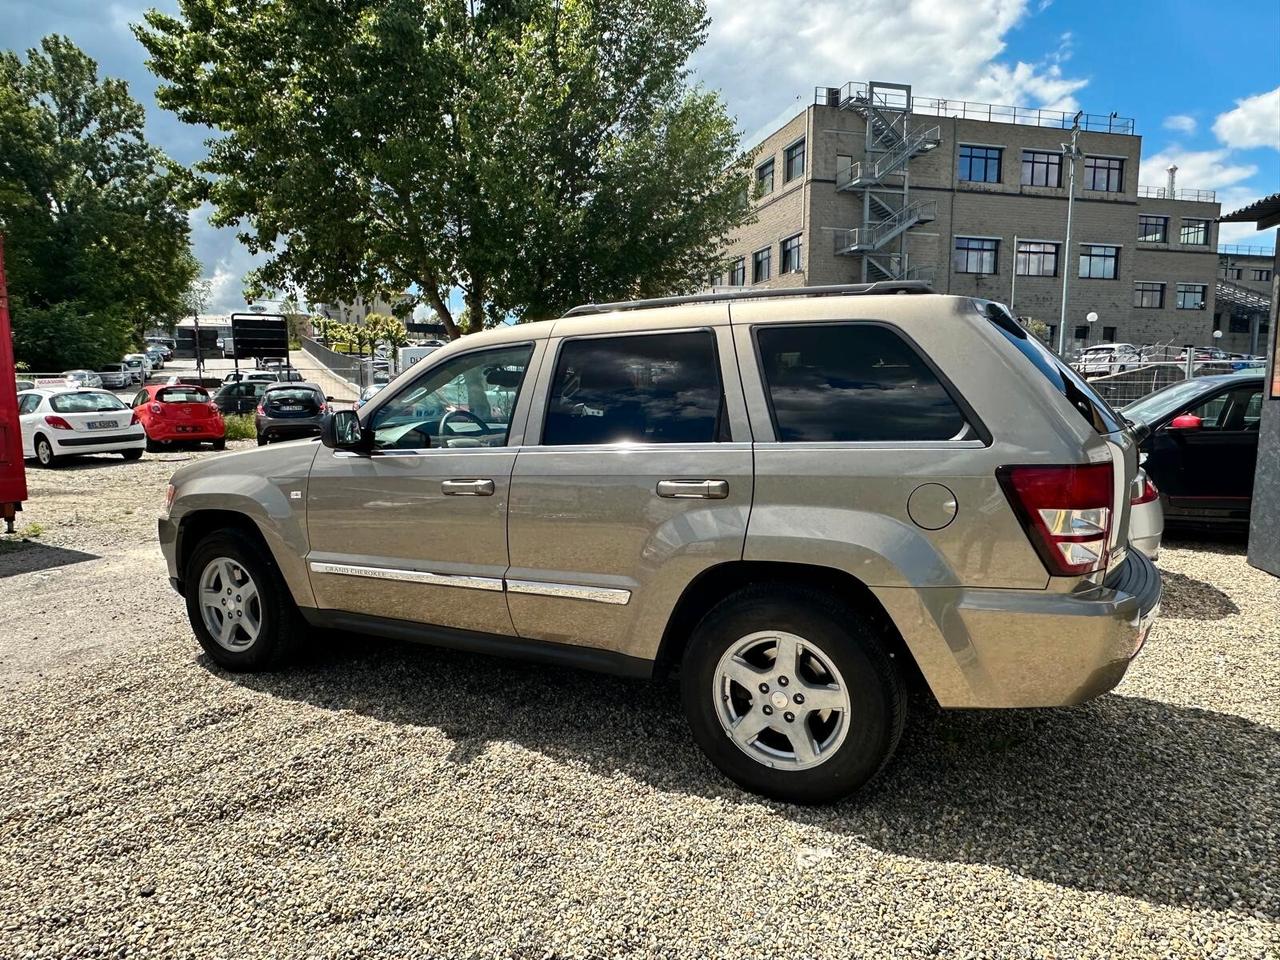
<point>1162,193</point>
<point>972,110</point>
<point>1242,250</point>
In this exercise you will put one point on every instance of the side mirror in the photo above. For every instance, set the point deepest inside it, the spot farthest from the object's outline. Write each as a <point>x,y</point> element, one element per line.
<point>1188,421</point>
<point>342,431</point>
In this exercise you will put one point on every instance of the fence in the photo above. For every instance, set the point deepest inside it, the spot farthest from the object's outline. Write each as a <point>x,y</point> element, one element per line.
<point>1125,386</point>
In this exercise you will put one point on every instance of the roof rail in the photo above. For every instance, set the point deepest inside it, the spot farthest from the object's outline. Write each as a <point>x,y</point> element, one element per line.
<point>834,290</point>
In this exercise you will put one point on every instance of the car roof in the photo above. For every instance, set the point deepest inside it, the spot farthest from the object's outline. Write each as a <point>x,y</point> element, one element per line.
<point>294,385</point>
<point>1234,377</point>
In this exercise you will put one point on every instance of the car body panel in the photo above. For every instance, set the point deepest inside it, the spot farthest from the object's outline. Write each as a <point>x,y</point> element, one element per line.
<point>123,433</point>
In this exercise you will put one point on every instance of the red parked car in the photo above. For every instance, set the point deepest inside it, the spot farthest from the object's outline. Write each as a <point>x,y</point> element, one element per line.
<point>179,412</point>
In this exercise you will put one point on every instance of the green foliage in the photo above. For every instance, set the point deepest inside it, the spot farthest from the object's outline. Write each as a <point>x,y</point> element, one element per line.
<point>96,221</point>
<point>534,154</point>
<point>240,426</point>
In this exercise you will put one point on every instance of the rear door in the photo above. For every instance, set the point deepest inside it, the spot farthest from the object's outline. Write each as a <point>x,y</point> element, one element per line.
<point>1217,460</point>
<point>636,478</point>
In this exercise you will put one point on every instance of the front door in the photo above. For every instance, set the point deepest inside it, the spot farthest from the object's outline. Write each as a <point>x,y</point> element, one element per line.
<point>636,477</point>
<point>416,530</point>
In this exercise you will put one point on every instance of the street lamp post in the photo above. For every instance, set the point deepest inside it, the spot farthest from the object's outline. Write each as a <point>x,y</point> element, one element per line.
<point>1072,152</point>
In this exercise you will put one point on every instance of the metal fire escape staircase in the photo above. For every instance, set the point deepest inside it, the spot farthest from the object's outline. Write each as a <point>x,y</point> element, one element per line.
<point>882,179</point>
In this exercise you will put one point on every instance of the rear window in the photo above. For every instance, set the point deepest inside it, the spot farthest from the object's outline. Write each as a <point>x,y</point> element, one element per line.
<point>1086,401</point>
<point>182,395</point>
<point>85,402</point>
<point>852,382</point>
<point>294,395</point>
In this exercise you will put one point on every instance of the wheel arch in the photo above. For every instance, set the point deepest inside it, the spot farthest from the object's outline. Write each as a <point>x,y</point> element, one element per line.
<point>718,582</point>
<point>198,524</point>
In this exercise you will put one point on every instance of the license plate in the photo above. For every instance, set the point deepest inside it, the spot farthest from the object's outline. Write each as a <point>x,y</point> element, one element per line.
<point>101,424</point>
<point>291,407</point>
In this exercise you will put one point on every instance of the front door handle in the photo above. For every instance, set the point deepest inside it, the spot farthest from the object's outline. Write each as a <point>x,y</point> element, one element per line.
<point>467,488</point>
<point>693,489</point>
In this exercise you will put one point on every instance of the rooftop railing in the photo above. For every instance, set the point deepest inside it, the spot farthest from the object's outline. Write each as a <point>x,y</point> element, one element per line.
<point>1243,250</point>
<point>973,110</point>
<point>1163,193</point>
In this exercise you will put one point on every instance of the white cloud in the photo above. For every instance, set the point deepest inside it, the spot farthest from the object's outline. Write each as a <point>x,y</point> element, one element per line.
<point>1197,169</point>
<point>1180,123</point>
<point>1255,122</point>
<point>764,54</point>
<point>225,261</point>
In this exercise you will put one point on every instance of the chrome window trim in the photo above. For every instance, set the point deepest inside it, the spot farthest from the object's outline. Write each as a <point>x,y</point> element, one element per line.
<point>407,576</point>
<point>569,591</point>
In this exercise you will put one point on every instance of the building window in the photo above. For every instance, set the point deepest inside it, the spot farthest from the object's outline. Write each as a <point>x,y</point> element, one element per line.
<point>1262,276</point>
<point>1148,296</point>
<point>1195,232</point>
<point>1191,296</point>
<point>980,164</point>
<point>1082,331</point>
<point>1040,168</point>
<point>738,273</point>
<point>764,178</point>
<point>1035,258</point>
<point>657,388</point>
<point>761,265</point>
<point>1099,262</point>
<point>713,280</point>
<point>850,383</point>
<point>1153,229</point>
<point>1104,173</point>
<point>975,255</point>
<point>790,260</point>
<point>793,162</point>
<point>1108,334</point>
<point>1234,273</point>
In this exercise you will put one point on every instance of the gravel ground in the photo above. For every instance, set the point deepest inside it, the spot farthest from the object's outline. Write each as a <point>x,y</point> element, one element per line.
<point>386,800</point>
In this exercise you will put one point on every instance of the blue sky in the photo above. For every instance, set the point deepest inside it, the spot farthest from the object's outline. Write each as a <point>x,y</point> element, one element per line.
<point>1202,80</point>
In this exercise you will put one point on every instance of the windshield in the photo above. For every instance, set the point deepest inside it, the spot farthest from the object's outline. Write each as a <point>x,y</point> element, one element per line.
<point>294,395</point>
<point>182,394</point>
<point>85,402</point>
<point>1156,406</point>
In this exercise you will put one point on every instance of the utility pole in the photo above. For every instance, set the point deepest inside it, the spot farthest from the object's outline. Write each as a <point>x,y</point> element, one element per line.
<point>1072,152</point>
<point>1013,284</point>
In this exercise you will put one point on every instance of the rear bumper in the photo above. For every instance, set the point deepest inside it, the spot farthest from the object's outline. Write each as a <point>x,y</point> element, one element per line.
<point>112,443</point>
<point>284,430</point>
<point>1029,648</point>
<point>195,430</point>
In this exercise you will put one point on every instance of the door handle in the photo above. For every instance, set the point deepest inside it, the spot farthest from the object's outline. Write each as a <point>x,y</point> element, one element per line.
<point>467,488</point>
<point>693,489</point>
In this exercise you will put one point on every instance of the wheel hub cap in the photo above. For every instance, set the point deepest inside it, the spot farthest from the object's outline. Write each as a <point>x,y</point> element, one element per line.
<point>229,604</point>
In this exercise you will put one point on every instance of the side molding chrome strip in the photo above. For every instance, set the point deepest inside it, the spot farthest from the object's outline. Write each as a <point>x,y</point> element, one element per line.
<point>408,576</point>
<point>570,591</point>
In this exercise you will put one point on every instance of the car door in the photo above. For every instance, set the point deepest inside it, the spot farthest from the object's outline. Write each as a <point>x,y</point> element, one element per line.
<point>1214,463</point>
<point>417,529</point>
<point>636,477</point>
<point>27,405</point>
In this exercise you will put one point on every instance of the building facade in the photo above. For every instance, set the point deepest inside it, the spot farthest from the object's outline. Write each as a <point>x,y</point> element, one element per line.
<point>871,183</point>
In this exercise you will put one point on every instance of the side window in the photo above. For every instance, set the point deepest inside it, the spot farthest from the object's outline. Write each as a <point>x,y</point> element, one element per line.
<point>852,382</point>
<point>463,402</point>
<point>139,398</point>
<point>1231,410</point>
<point>29,404</point>
<point>652,388</point>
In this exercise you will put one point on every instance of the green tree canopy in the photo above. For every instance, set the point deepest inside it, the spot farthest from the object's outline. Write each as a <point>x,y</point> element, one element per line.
<point>534,153</point>
<point>98,244</point>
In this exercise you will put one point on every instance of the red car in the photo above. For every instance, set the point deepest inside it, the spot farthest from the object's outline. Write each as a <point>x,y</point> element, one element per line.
<point>180,412</point>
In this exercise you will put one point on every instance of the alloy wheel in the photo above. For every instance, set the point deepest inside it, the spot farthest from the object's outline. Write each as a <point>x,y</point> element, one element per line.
<point>229,604</point>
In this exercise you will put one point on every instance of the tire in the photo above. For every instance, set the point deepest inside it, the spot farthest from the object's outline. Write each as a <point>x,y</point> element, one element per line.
<point>131,454</point>
<point>220,444</point>
<point>841,658</point>
<point>262,441</point>
<point>44,452</point>
<point>224,560</point>
<point>154,446</point>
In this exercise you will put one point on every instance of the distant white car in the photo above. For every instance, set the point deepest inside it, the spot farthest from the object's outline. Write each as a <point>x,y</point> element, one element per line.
<point>139,364</point>
<point>1105,358</point>
<point>85,379</point>
<point>62,423</point>
<point>252,376</point>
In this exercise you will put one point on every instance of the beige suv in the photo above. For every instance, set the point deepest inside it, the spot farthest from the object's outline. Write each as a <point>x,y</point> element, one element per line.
<point>805,500</point>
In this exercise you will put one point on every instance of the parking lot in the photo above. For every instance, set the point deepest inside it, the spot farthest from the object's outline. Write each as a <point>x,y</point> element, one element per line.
<point>408,801</point>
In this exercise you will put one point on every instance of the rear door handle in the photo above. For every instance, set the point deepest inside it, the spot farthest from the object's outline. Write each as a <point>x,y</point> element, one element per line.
<point>693,489</point>
<point>467,488</point>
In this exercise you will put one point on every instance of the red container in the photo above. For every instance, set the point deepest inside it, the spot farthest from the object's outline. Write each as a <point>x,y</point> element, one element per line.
<point>13,474</point>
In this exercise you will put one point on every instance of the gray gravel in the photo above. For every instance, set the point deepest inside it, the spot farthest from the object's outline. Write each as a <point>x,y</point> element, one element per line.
<point>385,800</point>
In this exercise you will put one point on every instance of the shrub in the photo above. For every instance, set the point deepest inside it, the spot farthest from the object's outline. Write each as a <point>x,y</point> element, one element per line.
<point>240,426</point>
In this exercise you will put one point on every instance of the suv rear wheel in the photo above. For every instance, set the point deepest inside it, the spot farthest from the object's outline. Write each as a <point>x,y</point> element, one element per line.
<point>239,604</point>
<point>791,694</point>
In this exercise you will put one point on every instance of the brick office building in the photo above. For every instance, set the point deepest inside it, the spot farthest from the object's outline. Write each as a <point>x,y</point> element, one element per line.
<point>870,183</point>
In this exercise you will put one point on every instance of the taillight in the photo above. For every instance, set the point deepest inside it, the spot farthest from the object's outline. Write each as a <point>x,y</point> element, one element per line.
<point>323,407</point>
<point>1066,512</point>
<point>213,406</point>
<point>1144,491</point>
<point>156,408</point>
<point>58,423</point>
<point>133,420</point>
<point>262,412</point>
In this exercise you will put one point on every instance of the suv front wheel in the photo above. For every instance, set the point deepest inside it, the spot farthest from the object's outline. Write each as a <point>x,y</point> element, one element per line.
<point>239,604</point>
<point>791,694</point>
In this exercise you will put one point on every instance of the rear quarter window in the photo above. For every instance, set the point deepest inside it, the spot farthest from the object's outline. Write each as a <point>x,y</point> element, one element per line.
<point>852,382</point>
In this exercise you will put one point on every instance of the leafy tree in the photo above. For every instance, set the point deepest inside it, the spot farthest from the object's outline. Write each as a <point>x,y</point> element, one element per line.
<point>98,241</point>
<point>534,153</point>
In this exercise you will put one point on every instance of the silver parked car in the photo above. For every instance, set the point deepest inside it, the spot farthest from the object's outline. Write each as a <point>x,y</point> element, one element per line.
<point>116,376</point>
<point>803,500</point>
<point>83,379</point>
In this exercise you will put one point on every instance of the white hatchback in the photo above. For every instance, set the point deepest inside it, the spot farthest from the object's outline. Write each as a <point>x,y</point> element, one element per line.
<point>64,423</point>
